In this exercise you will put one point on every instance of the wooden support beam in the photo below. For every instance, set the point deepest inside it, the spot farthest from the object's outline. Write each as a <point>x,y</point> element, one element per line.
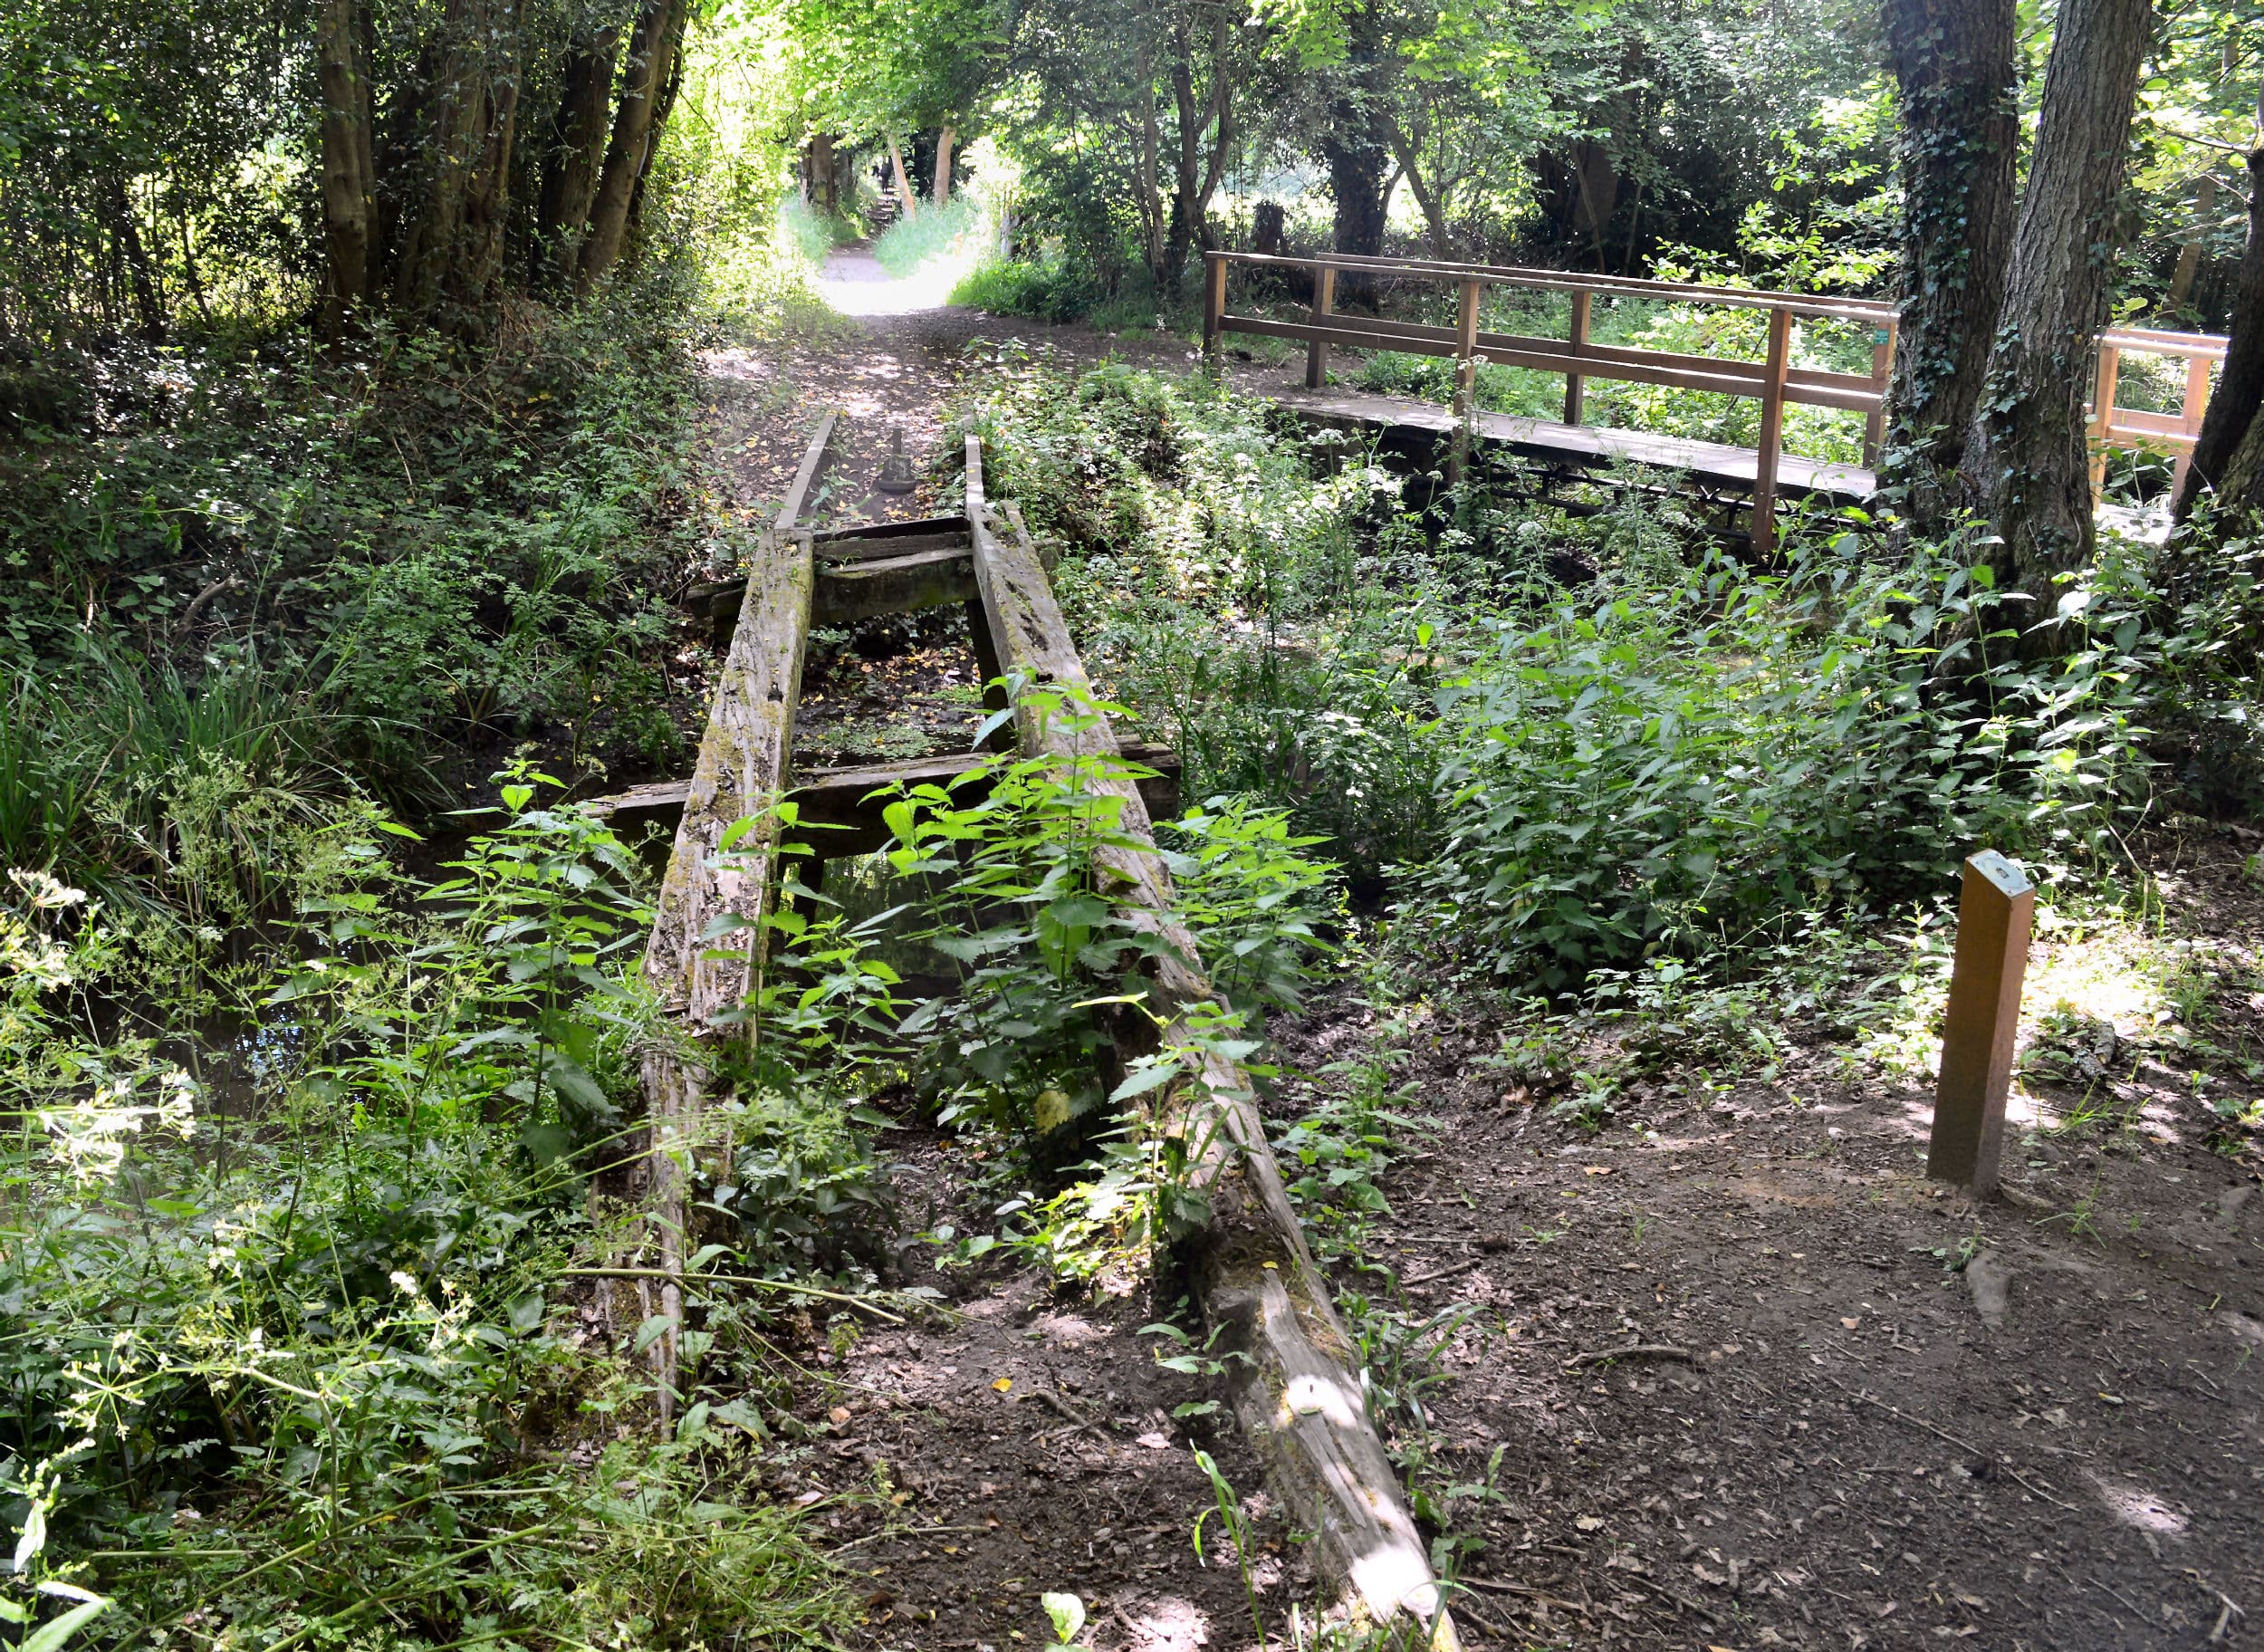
<point>742,766</point>
<point>2102,422</point>
<point>1575,386</point>
<point>1295,1393</point>
<point>849,592</point>
<point>1473,295</point>
<point>843,797</point>
<point>1993,916</point>
<point>1875,421</point>
<point>740,769</point>
<point>1324,306</point>
<point>2190,421</point>
<point>1771,443</point>
<point>1213,306</point>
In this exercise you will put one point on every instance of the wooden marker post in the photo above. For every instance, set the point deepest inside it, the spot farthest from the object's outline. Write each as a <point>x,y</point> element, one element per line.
<point>1993,916</point>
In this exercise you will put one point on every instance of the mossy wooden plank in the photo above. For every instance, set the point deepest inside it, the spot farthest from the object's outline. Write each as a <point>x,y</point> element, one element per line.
<point>1297,1394</point>
<point>741,771</point>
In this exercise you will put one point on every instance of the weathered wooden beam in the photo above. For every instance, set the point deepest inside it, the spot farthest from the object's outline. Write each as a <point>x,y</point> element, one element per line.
<point>1296,1395</point>
<point>843,797</point>
<point>1317,352</point>
<point>740,769</point>
<point>1771,445</point>
<point>741,765</point>
<point>850,591</point>
<point>812,456</point>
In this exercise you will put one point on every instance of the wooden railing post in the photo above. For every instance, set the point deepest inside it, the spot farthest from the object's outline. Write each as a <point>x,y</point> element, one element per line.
<point>1465,378</point>
<point>2196,405</point>
<point>1575,386</point>
<point>1213,306</point>
<point>1875,421</point>
<point>1993,915</point>
<point>2102,422</point>
<point>1324,306</point>
<point>1771,444</point>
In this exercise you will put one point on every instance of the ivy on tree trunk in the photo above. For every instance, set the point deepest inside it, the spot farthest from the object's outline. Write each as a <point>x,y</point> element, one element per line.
<point>1961,135</point>
<point>2025,468</point>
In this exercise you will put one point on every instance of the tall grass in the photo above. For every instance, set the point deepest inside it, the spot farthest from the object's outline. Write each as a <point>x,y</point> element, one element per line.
<point>110,764</point>
<point>912,242</point>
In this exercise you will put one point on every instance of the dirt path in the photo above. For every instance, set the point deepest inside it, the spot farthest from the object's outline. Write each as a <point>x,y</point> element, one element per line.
<point>1849,1410</point>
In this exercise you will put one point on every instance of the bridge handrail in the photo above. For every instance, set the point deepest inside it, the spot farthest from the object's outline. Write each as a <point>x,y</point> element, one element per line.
<point>1773,382</point>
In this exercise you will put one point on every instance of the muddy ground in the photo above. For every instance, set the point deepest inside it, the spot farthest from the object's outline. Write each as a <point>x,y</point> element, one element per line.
<point>1726,1371</point>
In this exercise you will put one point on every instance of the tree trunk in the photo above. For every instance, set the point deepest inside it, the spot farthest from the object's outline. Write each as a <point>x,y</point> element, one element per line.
<point>1356,181</point>
<point>577,149</point>
<point>1596,194</point>
<point>140,275</point>
<point>1197,176</point>
<point>943,167</point>
<point>650,49</point>
<point>905,195</point>
<point>348,179</point>
<point>1959,152</point>
<point>2188,261</point>
<point>661,111</point>
<point>488,201</point>
<point>2026,466</point>
<point>823,184</point>
<point>2240,382</point>
<point>466,155</point>
<point>1434,208</point>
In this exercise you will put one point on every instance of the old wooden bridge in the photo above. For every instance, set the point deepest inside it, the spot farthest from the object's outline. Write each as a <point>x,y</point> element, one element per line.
<point>1759,476</point>
<point>1295,1393</point>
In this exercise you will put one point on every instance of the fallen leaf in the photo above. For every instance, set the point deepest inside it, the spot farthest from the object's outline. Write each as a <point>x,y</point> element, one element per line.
<point>1155,1442</point>
<point>840,1414</point>
<point>1851,1325</point>
<point>1599,1169</point>
<point>1589,1522</point>
<point>1004,1383</point>
<point>807,1498</point>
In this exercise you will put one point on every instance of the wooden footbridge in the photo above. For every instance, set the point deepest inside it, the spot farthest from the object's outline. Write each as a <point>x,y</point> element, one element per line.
<point>1295,1391</point>
<point>1758,477</point>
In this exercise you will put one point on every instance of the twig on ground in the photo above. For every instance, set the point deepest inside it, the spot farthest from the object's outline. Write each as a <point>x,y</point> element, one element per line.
<point>1631,1351</point>
<point>857,1302</point>
<point>1500,1588</point>
<point>1451,1268</point>
<point>1061,1407</point>
<point>1664,1593</point>
<point>2227,1607</point>
<point>2119,1595</point>
<point>1943,1433</point>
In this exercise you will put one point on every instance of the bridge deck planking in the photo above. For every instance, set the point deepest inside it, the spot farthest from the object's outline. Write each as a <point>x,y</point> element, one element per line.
<point>1713,463</point>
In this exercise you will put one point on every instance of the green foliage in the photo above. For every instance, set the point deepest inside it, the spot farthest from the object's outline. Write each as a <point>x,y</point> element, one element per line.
<point>1051,290</point>
<point>936,232</point>
<point>296,1286</point>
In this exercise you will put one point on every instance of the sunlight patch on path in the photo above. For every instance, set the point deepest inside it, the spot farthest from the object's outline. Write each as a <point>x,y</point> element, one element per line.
<point>854,284</point>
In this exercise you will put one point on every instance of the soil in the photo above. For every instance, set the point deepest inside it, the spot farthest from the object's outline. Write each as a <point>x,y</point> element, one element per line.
<point>1727,1371</point>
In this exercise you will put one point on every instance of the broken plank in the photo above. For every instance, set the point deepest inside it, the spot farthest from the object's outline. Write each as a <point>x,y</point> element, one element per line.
<point>1295,1393</point>
<point>848,592</point>
<point>843,797</point>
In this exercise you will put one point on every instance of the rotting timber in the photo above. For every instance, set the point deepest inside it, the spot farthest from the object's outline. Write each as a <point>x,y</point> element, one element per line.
<point>1295,1391</point>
